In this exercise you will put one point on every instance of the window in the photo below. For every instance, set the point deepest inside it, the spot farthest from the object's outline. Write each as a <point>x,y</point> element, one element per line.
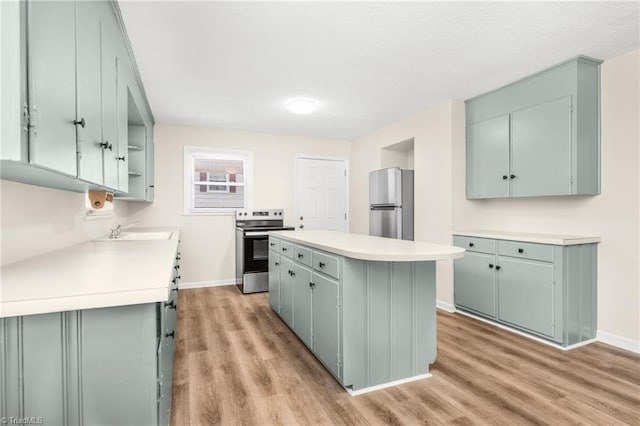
<point>216,181</point>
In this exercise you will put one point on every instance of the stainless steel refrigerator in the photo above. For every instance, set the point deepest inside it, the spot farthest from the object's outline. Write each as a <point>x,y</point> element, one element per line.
<point>391,203</point>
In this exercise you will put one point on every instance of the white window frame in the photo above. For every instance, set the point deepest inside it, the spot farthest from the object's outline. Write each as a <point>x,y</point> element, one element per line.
<point>190,153</point>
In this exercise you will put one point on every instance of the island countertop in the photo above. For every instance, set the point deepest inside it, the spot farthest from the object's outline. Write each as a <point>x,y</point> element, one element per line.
<point>366,247</point>
<point>93,274</point>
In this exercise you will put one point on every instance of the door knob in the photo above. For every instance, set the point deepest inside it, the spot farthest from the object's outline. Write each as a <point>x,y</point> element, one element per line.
<point>491,266</point>
<point>512,176</point>
<point>505,177</point>
<point>106,145</point>
<point>80,123</point>
<point>121,158</point>
<point>301,226</point>
<point>301,218</point>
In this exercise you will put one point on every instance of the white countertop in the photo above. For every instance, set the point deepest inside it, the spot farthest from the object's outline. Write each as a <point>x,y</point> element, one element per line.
<point>366,247</point>
<point>94,274</point>
<point>554,239</point>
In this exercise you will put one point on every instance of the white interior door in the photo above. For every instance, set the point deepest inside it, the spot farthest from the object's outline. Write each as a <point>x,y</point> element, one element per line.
<point>321,194</point>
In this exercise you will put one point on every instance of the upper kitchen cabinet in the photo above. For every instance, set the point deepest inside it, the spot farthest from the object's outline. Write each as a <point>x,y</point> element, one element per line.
<point>67,75</point>
<point>539,136</point>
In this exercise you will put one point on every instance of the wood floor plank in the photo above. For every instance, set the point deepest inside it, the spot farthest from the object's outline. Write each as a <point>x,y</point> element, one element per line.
<point>237,362</point>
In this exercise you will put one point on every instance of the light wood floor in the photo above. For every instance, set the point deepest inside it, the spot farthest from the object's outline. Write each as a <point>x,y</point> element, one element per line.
<point>238,363</point>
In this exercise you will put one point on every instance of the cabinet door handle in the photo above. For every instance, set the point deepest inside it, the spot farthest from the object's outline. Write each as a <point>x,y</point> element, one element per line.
<point>520,250</point>
<point>106,145</point>
<point>471,244</point>
<point>172,334</point>
<point>293,274</point>
<point>491,266</point>
<point>121,158</point>
<point>312,285</point>
<point>498,267</point>
<point>284,249</point>
<point>320,264</point>
<point>178,277</point>
<point>505,177</point>
<point>272,244</point>
<point>277,263</point>
<point>80,123</point>
<point>512,176</point>
<point>300,255</point>
<point>177,267</point>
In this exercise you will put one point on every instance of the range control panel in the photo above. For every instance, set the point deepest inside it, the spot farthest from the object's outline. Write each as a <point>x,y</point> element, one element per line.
<point>266,214</point>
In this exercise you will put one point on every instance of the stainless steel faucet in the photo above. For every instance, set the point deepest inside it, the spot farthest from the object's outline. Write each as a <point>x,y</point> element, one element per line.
<point>115,232</point>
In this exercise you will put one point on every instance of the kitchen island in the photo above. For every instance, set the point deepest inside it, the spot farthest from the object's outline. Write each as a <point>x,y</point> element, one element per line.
<point>365,306</point>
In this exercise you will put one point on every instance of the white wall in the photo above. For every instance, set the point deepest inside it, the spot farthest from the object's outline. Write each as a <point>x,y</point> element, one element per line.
<point>614,215</point>
<point>208,242</point>
<point>36,220</point>
<point>433,135</point>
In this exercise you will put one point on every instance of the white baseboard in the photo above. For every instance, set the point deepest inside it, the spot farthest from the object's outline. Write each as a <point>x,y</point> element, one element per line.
<point>619,341</point>
<point>445,306</point>
<point>388,384</point>
<point>201,284</point>
<point>527,335</point>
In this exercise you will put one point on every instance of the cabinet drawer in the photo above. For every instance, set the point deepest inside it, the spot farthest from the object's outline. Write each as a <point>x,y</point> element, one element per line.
<point>302,255</point>
<point>326,264</point>
<point>482,245</point>
<point>526,250</point>
<point>286,248</point>
<point>274,244</point>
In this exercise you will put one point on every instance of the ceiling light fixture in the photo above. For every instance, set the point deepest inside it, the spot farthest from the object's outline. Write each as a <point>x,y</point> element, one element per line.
<point>302,105</point>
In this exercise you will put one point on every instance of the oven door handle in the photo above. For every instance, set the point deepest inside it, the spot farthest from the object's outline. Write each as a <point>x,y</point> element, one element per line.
<point>255,234</point>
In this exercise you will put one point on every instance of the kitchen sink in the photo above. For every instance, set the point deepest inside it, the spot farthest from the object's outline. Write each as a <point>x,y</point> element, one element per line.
<point>139,236</point>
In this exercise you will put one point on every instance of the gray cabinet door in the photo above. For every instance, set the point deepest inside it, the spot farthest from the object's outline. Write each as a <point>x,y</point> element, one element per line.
<point>286,290</point>
<point>52,84</point>
<point>541,149</point>
<point>274,280</point>
<point>488,158</point>
<point>43,352</point>
<point>89,91</point>
<point>525,294</point>
<point>302,303</point>
<point>110,44</point>
<point>149,165</point>
<point>326,322</point>
<point>475,283</point>
<point>120,386</point>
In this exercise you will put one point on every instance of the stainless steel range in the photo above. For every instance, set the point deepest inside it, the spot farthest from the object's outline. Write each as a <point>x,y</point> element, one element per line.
<point>252,247</point>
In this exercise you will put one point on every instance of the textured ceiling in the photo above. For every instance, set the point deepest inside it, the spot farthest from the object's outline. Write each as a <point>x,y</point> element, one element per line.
<point>234,64</point>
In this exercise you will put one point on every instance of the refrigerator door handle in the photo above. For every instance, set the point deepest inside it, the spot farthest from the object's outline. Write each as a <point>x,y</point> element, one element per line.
<point>383,208</point>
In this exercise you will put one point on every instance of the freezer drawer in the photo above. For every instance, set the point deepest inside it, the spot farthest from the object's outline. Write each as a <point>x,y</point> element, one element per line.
<point>386,222</point>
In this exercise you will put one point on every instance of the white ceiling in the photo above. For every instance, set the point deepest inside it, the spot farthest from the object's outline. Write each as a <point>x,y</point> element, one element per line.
<point>234,64</point>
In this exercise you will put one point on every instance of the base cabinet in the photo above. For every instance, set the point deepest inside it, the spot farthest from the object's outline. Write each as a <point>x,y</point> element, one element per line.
<point>545,290</point>
<point>102,366</point>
